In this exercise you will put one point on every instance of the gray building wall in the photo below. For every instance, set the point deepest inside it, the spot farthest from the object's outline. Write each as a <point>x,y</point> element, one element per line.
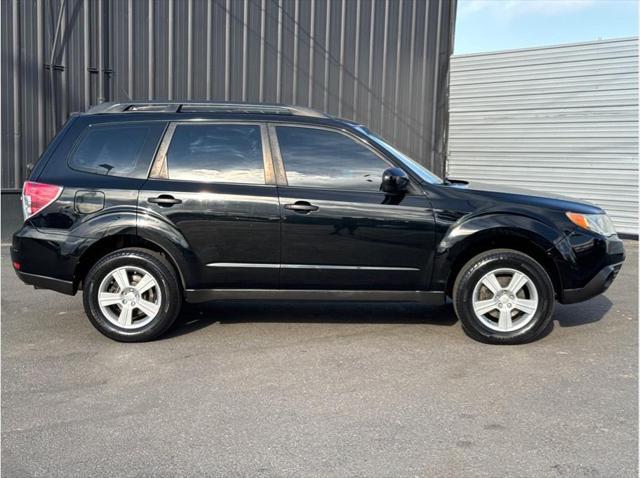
<point>380,62</point>
<point>560,119</point>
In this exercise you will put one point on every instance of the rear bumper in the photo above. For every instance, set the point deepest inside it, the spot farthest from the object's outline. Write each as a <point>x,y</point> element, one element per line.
<point>45,260</point>
<point>595,286</point>
<point>43,282</point>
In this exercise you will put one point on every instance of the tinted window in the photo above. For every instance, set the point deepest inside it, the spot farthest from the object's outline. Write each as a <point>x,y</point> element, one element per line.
<point>328,159</point>
<point>220,153</point>
<point>114,150</point>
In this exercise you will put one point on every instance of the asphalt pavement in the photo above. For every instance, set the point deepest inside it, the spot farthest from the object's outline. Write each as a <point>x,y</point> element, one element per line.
<point>313,389</point>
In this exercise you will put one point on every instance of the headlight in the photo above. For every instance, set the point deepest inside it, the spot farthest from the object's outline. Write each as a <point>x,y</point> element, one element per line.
<point>598,223</point>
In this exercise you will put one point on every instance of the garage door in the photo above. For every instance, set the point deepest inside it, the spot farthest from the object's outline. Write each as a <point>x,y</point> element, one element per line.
<point>561,119</point>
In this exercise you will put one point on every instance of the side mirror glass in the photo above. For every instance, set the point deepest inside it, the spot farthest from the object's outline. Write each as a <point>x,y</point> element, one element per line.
<point>394,181</point>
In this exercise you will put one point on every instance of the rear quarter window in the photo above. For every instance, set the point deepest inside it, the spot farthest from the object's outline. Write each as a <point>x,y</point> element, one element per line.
<point>124,150</point>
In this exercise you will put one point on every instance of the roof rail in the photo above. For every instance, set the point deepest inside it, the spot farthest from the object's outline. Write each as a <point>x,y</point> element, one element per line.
<point>202,107</point>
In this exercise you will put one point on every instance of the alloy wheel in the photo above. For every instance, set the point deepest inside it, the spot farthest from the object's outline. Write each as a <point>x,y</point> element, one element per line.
<point>129,297</point>
<point>505,300</point>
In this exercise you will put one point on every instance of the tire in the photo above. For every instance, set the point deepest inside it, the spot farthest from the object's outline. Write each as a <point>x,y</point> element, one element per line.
<point>490,311</point>
<point>145,307</point>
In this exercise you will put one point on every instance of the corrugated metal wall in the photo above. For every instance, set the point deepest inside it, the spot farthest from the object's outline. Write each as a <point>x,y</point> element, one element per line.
<point>380,62</point>
<point>561,119</point>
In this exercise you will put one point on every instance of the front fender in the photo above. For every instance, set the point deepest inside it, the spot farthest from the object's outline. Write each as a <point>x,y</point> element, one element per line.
<point>471,233</point>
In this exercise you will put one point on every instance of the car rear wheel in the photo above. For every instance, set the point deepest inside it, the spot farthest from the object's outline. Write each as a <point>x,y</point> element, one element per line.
<point>503,296</point>
<point>132,295</point>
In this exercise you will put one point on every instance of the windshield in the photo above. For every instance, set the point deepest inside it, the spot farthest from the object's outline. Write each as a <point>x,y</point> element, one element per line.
<point>410,164</point>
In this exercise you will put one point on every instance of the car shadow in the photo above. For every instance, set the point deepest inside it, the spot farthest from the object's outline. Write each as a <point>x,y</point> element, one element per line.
<point>583,313</point>
<point>198,316</point>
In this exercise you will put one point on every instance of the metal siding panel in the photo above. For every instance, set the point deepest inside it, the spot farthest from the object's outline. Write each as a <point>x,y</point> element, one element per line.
<point>253,51</point>
<point>161,57</point>
<point>6,73</point>
<point>561,119</point>
<point>286,49</point>
<point>270,52</point>
<point>304,52</point>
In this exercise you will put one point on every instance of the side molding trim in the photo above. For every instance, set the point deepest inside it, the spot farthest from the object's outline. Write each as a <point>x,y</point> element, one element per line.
<point>261,265</point>
<point>426,297</point>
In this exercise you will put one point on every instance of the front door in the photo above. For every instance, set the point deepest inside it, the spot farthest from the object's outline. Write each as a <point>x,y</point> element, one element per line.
<point>339,231</point>
<point>213,182</point>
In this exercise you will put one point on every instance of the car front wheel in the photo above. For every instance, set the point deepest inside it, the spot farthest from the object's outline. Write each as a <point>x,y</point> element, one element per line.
<point>132,295</point>
<point>503,296</point>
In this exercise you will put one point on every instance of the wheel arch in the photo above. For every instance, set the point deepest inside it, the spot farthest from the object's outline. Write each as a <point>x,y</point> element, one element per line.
<point>111,243</point>
<point>481,234</point>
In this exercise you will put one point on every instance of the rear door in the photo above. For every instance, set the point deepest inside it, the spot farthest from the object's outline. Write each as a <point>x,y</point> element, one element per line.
<point>339,231</point>
<point>213,182</point>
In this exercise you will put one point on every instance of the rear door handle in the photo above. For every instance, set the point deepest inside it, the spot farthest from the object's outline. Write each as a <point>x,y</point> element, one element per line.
<point>302,207</point>
<point>164,200</point>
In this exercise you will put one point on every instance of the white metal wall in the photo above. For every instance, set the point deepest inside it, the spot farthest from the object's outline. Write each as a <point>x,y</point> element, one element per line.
<point>560,119</point>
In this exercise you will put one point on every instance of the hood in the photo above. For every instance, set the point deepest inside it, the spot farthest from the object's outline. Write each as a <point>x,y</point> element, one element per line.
<point>526,196</point>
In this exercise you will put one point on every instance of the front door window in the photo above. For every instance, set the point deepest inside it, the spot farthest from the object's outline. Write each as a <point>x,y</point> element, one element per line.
<point>320,158</point>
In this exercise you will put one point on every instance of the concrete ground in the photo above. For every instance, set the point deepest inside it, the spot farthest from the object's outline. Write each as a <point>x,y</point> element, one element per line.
<point>327,390</point>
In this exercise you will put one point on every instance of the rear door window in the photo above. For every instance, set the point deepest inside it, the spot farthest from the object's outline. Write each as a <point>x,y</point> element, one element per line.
<point>124,150</point>
<point>217,153</point>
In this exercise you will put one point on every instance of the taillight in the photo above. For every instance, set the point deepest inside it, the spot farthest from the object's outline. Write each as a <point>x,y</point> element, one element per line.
<point>37,196</point>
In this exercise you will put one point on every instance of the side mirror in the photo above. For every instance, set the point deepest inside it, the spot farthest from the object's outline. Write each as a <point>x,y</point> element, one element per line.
<point>394,181</point>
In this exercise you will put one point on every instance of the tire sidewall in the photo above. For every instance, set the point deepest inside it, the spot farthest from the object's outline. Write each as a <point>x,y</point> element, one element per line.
<point>480,266</point>
<point>166,283</point>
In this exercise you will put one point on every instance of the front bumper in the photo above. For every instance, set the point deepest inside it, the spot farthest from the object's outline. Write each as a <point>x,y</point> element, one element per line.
<point>591,263</point>
<point>595,286</point>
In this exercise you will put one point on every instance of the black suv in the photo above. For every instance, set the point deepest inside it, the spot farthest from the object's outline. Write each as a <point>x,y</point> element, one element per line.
<point>145,205</point>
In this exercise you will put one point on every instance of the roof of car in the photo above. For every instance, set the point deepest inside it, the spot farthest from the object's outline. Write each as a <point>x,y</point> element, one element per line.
<point>204,107</point>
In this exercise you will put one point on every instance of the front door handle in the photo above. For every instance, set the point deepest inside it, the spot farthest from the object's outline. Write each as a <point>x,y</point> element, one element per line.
<point>302,207</point>
<point>164,200</point>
